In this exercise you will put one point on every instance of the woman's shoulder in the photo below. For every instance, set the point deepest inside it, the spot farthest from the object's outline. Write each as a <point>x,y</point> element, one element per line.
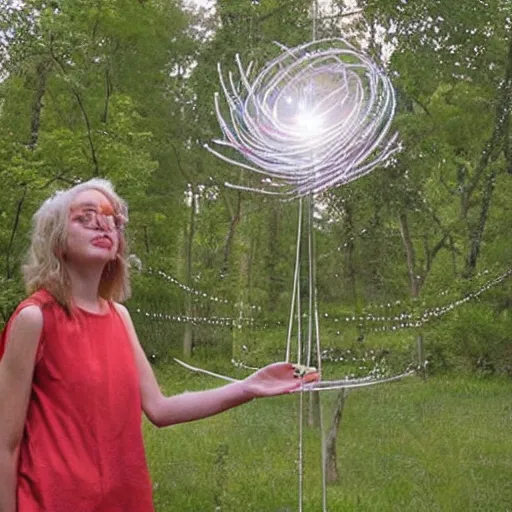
<point>123,314</point>
<point>28,323</point>
<point>119,308</point>
<point>40,298</point>
<point>32,305</point>
<point>27,319</point>
<point>37,304</point>
<point>30,313</point>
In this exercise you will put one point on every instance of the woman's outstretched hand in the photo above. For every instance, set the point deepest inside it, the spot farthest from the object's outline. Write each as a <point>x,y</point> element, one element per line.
<point>278,379</point>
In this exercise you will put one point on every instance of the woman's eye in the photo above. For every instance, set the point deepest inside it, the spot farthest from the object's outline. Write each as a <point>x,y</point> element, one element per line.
<point>84,217</point>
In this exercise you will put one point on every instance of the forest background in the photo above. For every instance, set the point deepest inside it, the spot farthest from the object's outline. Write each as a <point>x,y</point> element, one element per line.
<point>124,90</point>
<point>412,261</point>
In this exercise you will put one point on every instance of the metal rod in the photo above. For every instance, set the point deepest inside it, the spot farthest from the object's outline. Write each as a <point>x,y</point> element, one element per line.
<point>295,284</point>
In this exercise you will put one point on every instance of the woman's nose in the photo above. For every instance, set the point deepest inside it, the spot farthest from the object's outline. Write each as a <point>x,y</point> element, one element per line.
<point>103,222</point>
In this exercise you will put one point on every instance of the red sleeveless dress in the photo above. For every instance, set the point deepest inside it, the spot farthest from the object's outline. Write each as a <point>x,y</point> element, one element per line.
<point>82,448</point>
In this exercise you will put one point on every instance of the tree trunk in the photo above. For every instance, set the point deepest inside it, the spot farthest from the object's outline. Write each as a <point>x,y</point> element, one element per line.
<point>415,282</point>
<point>349,255</point>
<point>17,215</point>
<point>410,255</point>
<point>331,462</point>
<point>478,233</point>
<point>273,278</point>
<point>108,93</point>
<point>234,221</point>
<point>497,144</point>
<point>42,70</point>
<point>146,239</point>
<point>244,295</point>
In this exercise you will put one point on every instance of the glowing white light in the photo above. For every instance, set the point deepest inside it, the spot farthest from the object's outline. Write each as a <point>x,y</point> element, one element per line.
<point>309,124</point>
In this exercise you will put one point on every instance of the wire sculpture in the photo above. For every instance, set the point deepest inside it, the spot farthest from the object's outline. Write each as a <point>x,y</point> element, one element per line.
<point>315,117</point>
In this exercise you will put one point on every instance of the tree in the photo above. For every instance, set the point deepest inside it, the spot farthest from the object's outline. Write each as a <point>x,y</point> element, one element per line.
<point>74,106</point>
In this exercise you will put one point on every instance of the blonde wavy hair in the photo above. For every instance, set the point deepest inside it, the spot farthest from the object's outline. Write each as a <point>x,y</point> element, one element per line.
<point>44,267</point>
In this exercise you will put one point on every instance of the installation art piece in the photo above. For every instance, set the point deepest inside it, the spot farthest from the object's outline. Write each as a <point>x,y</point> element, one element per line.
<point>316,117</point>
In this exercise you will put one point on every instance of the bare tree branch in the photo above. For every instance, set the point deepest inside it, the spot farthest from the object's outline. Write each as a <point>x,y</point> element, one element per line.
<point>78,98</point>
<point>17,215</point>
<point>496,144</point>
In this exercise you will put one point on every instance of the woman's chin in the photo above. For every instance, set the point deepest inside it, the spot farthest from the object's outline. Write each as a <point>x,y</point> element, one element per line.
<point>91,259</point>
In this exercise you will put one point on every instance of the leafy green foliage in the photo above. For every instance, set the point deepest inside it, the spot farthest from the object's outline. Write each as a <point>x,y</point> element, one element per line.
<point>124,90</point>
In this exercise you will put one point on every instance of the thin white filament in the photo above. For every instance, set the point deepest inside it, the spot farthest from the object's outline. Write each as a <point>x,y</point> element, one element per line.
<point>301,451</point>
<point>315,386</point>
<point>295,284</point>
<point>327,385</point>
<point>206,372</point>
<point>311,283</point>
<point>314,293</point>
<point>299,316</point>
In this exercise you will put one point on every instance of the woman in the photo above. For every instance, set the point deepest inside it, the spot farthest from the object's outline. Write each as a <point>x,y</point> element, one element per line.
<point>74,379</point>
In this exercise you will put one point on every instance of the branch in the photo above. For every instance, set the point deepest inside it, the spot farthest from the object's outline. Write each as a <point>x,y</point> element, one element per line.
<point>42,70</point>
<point>493,148</point>
<point>234,218</point>
<point>178,161</point>
<point>17,216</point>
<point>108,92</point>
<point>82,108</point>
<point>227,203</point>
<point>478,233</point>
<point>433,253</point>
<point>59,177</point>
<point>89,133</point>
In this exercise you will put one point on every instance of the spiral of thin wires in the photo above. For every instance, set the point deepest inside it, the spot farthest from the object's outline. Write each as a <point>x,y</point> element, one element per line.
<point>316,117</point>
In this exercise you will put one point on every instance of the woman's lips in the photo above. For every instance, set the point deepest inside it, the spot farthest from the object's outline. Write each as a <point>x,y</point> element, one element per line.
<point>102,241</point>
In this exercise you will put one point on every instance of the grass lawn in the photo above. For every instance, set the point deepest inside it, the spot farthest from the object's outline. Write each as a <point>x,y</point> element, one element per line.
<point>443,445</point>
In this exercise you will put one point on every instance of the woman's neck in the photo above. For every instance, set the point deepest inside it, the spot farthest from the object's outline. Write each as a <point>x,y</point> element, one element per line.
<point>85,284</point>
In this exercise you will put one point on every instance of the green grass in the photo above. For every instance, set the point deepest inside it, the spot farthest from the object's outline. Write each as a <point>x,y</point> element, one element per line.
<point>443,445</point>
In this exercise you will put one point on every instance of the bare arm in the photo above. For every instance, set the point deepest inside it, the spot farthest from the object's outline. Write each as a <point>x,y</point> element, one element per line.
<point>272,380</point>
<point>16,371</point>
<point>195,405</point>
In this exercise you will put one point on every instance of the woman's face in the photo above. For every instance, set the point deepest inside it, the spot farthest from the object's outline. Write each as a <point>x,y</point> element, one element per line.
<point>93,229</point>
